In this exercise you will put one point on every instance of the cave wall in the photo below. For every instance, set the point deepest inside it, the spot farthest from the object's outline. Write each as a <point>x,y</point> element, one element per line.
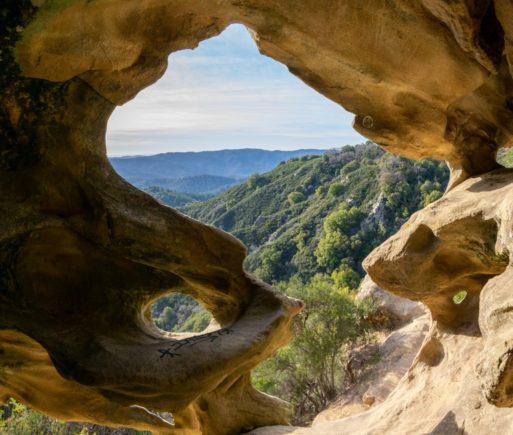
<point>83,254</point>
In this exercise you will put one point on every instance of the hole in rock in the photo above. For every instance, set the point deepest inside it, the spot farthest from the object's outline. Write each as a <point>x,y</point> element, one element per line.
<point>222,95</point>
<point>505,155</point>
<point>177,312</point>
<point>459,297</point>
<point>174,139</point>
<point>466,264</point>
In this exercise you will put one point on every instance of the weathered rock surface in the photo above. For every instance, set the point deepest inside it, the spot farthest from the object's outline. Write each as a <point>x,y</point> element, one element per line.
<point>83,254</point>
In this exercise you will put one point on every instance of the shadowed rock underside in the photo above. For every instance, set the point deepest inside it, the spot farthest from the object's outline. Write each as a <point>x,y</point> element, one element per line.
<point>83,254</point>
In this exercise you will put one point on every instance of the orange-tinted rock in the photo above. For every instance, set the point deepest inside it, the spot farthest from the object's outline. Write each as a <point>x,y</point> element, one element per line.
<point>83,254</point>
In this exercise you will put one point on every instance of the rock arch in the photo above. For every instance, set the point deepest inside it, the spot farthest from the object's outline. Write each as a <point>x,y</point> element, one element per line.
<point>82,253</point>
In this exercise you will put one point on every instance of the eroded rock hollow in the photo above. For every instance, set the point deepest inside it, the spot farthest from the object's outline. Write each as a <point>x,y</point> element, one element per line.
<point>83,254</point>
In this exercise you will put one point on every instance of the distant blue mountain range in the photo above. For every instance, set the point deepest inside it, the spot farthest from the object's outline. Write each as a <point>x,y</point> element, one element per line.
<point>201,172</point>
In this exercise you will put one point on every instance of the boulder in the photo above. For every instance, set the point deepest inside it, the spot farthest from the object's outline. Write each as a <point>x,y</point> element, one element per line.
<point>393,307</point>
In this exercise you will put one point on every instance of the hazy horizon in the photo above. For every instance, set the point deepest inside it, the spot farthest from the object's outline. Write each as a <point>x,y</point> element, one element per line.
<point>226,95</point>
<point>221,149</point>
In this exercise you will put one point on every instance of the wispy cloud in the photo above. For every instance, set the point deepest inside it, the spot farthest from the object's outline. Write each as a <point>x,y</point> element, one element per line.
<point>225,94</point>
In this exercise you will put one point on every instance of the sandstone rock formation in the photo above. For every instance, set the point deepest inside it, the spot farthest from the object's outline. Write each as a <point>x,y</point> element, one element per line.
<point>425,79</point>
<point>83,254</point>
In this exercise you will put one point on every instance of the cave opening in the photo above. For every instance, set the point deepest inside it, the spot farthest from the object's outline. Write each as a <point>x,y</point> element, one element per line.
<point>224,95</point>
<point>96,54</point>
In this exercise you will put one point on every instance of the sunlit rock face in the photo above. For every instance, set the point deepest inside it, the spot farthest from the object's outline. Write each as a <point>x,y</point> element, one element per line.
<point>83,254</point>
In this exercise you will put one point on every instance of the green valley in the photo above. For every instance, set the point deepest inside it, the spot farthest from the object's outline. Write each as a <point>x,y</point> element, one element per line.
<point>317,214</point>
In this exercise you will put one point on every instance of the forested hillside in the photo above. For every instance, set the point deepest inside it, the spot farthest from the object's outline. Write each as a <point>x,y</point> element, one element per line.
<point>319,213</point>
<point>308,225</point>
<point>311,215</point>
<point>196,185</point>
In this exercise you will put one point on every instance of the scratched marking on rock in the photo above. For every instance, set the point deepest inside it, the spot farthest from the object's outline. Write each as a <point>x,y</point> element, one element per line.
<point>211,337</point>
<point>164,352</point>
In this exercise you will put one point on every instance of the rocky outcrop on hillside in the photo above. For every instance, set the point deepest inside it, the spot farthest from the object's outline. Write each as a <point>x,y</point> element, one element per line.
<point>396,310</point>
<point>83,254</point>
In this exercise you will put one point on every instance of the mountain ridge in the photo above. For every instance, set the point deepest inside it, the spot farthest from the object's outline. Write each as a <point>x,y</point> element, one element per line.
<point>233,165</point>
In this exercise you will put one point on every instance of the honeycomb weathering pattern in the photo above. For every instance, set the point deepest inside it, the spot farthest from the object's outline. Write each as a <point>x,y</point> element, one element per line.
<point>83,254</point>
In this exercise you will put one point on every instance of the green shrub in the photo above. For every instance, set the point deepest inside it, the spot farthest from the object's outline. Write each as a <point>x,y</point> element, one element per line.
<point>459,297</point>
<point>295,197</point>
<point>336,189</point>
<point>432,197</point>
<point>350,167</point>
<point>342,237</point>
<point>24,421</point>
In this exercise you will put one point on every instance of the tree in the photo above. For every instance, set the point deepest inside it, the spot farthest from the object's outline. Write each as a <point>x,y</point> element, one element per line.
<point>309,371</point>
<point>345,277</point>
<point>256,180</point>
<point>341,237</point>
<point>167,319</point>
<point>430,192</point>
<point>432,197</point>
<point>336,189</point>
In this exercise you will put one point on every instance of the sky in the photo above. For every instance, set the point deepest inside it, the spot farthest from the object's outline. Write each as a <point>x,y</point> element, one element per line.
<point>226,95</point>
